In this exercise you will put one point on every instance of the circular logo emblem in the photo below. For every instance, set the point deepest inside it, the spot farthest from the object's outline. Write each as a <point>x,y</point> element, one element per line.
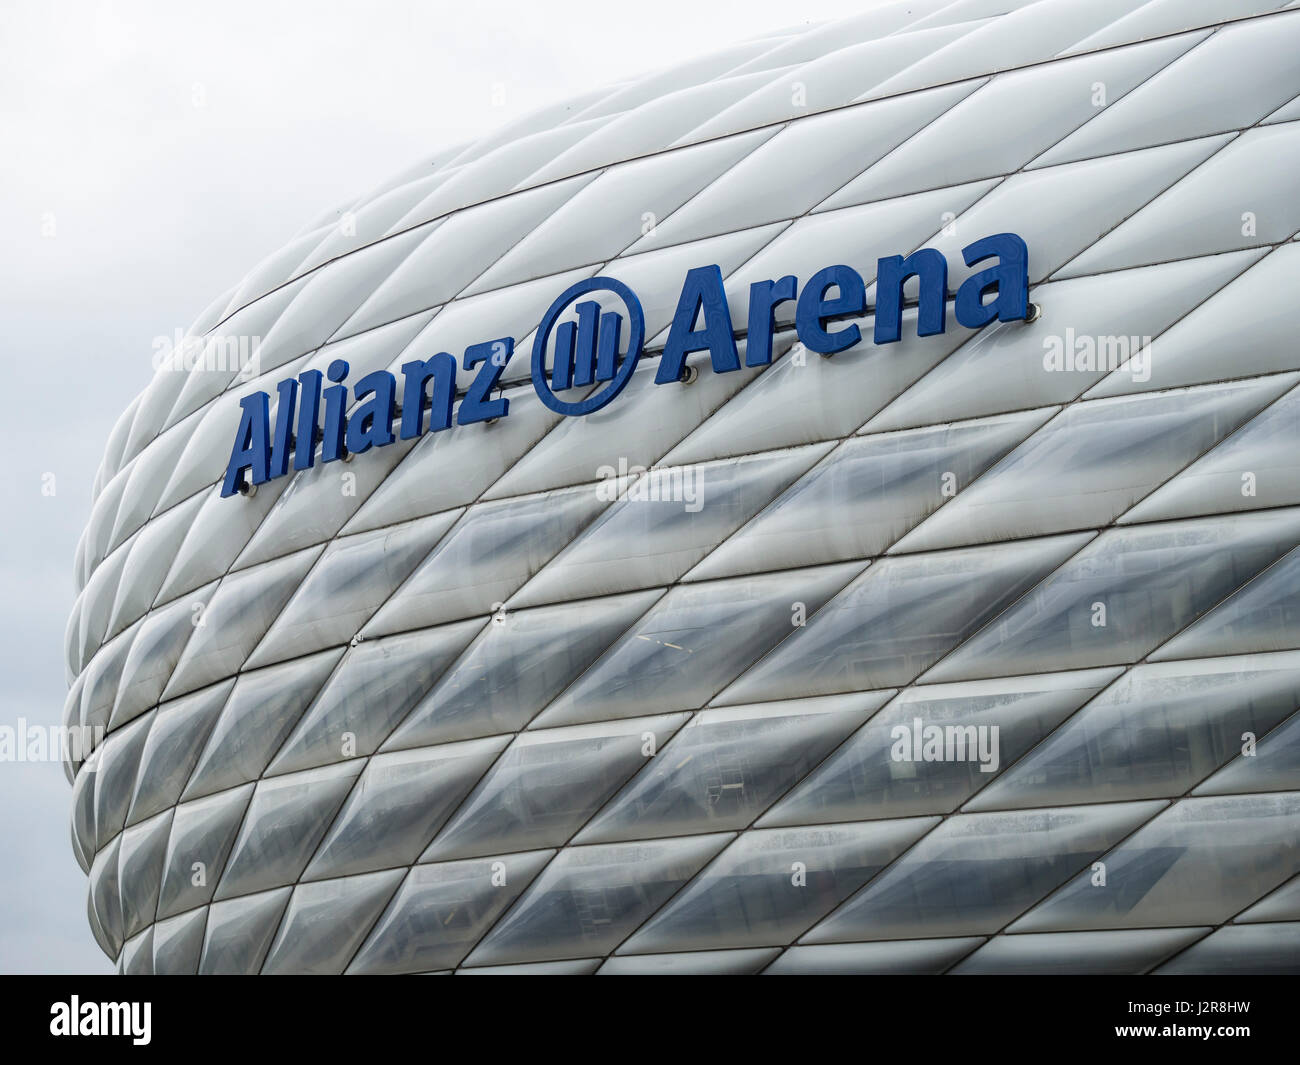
<point>586,351</point>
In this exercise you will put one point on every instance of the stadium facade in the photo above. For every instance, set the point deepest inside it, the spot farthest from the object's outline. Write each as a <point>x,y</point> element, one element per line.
<point>650,539</point>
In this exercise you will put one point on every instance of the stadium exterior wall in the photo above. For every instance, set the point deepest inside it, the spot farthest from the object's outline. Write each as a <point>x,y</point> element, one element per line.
<point>971,651</point>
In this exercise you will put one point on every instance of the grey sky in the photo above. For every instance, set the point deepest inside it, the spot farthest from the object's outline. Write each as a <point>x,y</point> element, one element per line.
<point>173,147</point>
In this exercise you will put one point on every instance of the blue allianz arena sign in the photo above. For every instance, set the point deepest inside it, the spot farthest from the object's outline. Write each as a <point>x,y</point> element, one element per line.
<point>586,353</point>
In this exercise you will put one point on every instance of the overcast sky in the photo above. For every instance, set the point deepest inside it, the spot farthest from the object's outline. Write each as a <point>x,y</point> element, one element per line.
<point>153,152</point>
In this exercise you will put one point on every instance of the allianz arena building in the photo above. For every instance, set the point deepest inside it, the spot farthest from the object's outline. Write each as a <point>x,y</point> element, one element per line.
<point>830,506</point>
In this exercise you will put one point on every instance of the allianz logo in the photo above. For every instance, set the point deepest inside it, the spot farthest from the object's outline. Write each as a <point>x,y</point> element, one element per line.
<point>590,351</point>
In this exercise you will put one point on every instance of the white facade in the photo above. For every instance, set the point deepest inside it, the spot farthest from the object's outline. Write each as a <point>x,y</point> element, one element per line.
<point>451,705</point>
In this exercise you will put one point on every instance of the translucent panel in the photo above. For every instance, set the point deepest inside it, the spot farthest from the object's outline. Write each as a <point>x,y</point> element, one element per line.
<point>579,967</point>
<point>207,437</point>
<point>354,577</point>
<point>177,943</point>
<point>1275,765</point>
<point>103,674</point>
<point>1199,862</point>
<point>505,312</point>
<point>656,276</point>
<point>239,932</point>
<point>1031,34</point>
<point>1190,218</point>
<point>374,687</point>
<point>901,958</point>
<point>106,943</point>
<point>486,557</point>
<point>1158,731</point>
<point>139,423</point>
<point>1251,470</point>
<point>97,605</point>
<point>147,561</point>
<point>484,181</point>
<point>202,832</point>
<point>478,454</point>
<point>146,477</point>
<point>279,266</point>
<point>1281,905</point>
<point>217,535</point>
<point>375,349</point>
<point>441,911</point>
<point>1261,949</point>
<point>974,873</point>
<point>803,164</point>
<point>401,800</point>
<point>651,127</point>
<point>694,963</point>
<point>645,422</point>
<point>1047,101</point>
<point>140,864</point>
<point>609,215</point>
<point>547,784</point>
<point>664,522</point>
<point>830,80</point>
<point>83,812</point>
<point>1261,616</point>
<point>900,617</point>
<point>573,109</point>
<point>590,898</point>
<point>313,506</point>
<point>872,776</point>
<point>326,922</point>
<point>331,295</point>
<point>231,353</point>
<point>867,494</point>
<point>115,778</point>
<point>728,766</point>
<point>105,899</point>
<point>1126,593</point>
<point>262,708</point>
<point>448,256</point>
<point>154,653</point>
<point>1168,16</point>
<point>178,733</point>
<point>1101,194</point>
<point>103,516</point>
<point>1004,368</point>
<point>237,616</point>
<point>693,643</point>
<point>371,220</point>
<point>1078,953</point>
<point>72,758</point>
<point>1090,463</point>
<point>137,955</point>
<point>694,71</point>
<point>286,819</point>
<point>1253,318</point>
<point>873,230</point>
<point>1234,79</point>
<point>1286,113</point>
<point>516,666</point>
<point>815,40</point>
<point>770,886</point>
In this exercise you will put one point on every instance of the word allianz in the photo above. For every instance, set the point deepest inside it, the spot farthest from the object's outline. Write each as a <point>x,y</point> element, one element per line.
<point>702,322</point>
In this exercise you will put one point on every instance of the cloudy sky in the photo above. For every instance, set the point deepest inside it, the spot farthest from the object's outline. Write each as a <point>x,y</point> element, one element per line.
<point>153,153</point>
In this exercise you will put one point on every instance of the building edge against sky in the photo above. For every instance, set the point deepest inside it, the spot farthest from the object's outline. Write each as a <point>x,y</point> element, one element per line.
<point>817,594</point>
